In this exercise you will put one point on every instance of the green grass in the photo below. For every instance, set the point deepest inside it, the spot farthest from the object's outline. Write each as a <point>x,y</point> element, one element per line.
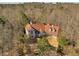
<point>63,41</point>
<point>43,45</point>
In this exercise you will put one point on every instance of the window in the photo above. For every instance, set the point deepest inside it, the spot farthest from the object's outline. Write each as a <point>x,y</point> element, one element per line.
<point>52,29</point>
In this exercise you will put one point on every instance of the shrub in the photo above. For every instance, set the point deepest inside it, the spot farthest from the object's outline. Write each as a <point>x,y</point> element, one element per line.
<point>2,20</point>
<point>43,45</point>
<point>25,19</point>
<point>63,41</point>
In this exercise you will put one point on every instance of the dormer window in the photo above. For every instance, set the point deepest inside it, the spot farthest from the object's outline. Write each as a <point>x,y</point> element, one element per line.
<point>52,30</point>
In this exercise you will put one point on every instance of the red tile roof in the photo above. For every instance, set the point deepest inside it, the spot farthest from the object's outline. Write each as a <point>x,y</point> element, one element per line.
<point>39,27</point>
<point>49,29</point>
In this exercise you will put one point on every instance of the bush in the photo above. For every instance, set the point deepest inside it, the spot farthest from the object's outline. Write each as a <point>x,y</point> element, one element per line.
<point>2,20</point>
<point>43,45</point>
<point>63,41</point>
<point>25,19</point>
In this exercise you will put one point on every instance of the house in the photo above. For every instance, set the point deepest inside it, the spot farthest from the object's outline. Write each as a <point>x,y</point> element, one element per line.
<point>35,30</point>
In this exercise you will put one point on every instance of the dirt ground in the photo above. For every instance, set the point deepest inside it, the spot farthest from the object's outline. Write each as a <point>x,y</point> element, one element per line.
<point>63,14</point>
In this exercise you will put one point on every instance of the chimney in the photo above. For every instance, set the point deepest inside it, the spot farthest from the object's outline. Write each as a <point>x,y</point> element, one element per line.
<point>30,21</point>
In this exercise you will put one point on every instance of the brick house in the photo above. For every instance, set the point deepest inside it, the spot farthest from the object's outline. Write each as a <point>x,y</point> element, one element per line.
<point>35,30</point>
